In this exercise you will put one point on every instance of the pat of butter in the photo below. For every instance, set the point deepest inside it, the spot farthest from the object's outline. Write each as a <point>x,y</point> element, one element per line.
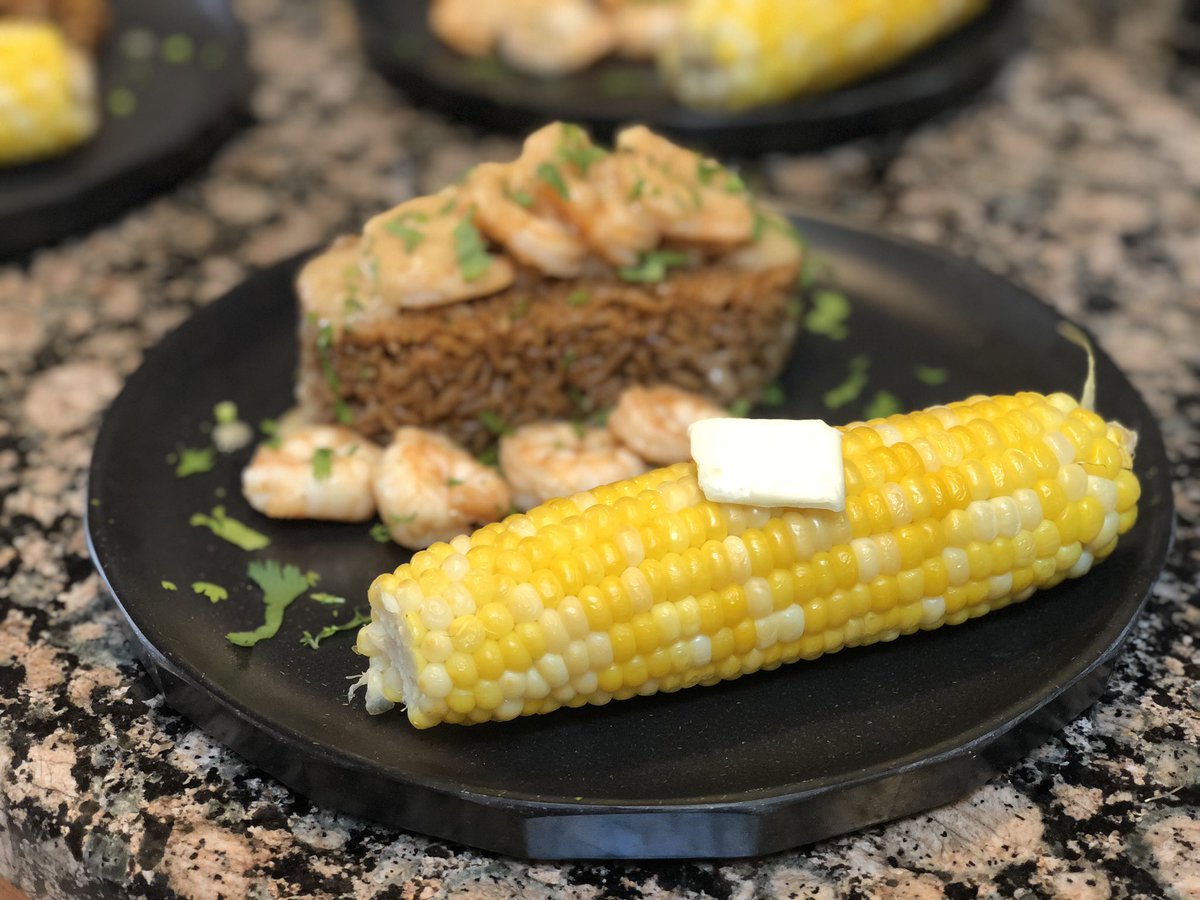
<point>770,462</point>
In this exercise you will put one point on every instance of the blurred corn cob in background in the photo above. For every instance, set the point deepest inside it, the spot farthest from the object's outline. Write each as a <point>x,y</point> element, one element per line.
<point>734,54</point>
<point>47,92</point>
<point>645,586</point>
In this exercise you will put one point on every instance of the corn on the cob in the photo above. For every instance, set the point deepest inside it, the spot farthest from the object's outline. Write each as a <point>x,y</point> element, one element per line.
<point>47,93</point>
<point>734,54</point>
<point>644,586</point>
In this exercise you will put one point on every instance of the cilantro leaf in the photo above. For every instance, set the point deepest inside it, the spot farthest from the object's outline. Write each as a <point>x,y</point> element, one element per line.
<point>195,462</point>
<point>230,529</point>
<point>773,395</point>
<point>828,315</point>
<point>739,409</point>
<point>314,640</point>
<point>214,592</point>
<point>550,174</point>
<point>225,412</point>
<point>280,586</point>
<point>379,532</point>
<point>493,423</point>
<point>322,463</point>
<point>401,228</point>
<point>931,375</point>
<point>578,298</point>
<point>653,265</point>
<point>577,149</point>
<point>882,405</point>
<point>327,599</point>
<point>168,585</point>
<point>849,389</point>
<point>469,247</point>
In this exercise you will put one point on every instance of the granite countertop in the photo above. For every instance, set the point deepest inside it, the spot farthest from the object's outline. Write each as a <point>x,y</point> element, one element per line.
<point>1078,175</point>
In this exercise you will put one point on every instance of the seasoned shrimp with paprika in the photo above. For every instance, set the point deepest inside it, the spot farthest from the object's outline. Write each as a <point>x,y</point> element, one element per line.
<point>557,459</point>
<point>315,472</point>
<point>653,421</point>
<point>430,489</point>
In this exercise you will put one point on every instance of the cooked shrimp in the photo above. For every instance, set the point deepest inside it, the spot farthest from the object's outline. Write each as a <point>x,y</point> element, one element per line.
<point>554,37</point>
<point>556,459</point>
<point>693,199</point>
<point>505,214</point>
<point>430,489</point>
<point>645,26</point>
<point>777,245</point>
<point>316,472</point>
<point>469,26</point>
<point>614,227</point>
<point>414,254</point>
<point>653,422</point>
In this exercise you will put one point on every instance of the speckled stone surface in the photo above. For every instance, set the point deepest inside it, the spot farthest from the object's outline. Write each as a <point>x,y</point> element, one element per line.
<point>1078,175</point>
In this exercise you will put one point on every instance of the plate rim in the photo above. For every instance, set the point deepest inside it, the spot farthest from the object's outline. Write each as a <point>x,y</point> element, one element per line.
<point>759,802</point>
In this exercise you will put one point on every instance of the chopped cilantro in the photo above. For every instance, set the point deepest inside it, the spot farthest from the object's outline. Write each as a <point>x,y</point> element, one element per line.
<point>489,457</point>
<point>322,463</point>
<point>195,462</point>
<point>379,532</point>
<point>638,187</point>
<point>342,412</point>
<point>849,389</point>
<point>773,395</point>
<point>473,258</point>
<point>168,585</point>
<point>739,409</point>
<point>579,399</point>
<point>225,412</point>
<point>122,102</point>
<point>453,482</point>
<point>95,502</point>
<point>269,429</point>
<point>882,405</point>
<point>653,265</point>
<point>493,423</point>
<point>519,196</point>
<point>519,308</point>
<point>214,592</point>
<point>579,428</point>
<point>931,375</point>
<point>314,640</point>
<point>734,183</point>
<point>325,343</point>
<point>550,174</point>
<point>280,586</point>
<point>312,577</point>
<point>230,529</point>
<point>402,520</point>
<point>177,49</point>
<point>327,599</point>
<point>577,149</point>
<point>830,310</point>
<point>569,358</point>
<point>578,298</point>
<point>411,237</point>
<point>451,202</point>
<point>706,170</point>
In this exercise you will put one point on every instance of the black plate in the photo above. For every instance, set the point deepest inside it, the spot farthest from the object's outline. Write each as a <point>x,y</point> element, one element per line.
<point>182,111</point>
<point>613,93</point>
<point>747,767</point>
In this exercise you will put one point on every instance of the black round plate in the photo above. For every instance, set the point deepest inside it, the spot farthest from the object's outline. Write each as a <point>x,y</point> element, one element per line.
<point>182,111</point>
<point>747,767</point>
<point>613,93</point>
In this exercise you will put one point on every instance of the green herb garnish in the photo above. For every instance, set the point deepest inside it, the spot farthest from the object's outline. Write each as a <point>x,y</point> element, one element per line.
<point>882,405</point>
<point>490,456</point>
<point>280,586</point>
<point>739,409</point>
<point>473,258</point>
<point>577,149</point>
<point>706,170</point>
<point>849,389</point>
<point>569,358</point>
<point>578,298</point>
<point>225,412</point>
<point>214,592</point>
<point>122,102</point>
<point>168,585</point>
<point>314,640</point>
<point>830,310</point>
<point>550,174</point>
<point>231,530</point>
<point>493,423</point>
<point>772,395</point>
<point>195,462</point>
<point>931,375</point>
<point>177,49</point>
<point>269,429</point>
<point>519,196</point>
<point>653,265</point>
<point>402,520</point>
<point>638,187</point>
<point>454,482</point>
<point>322,463</point>
<point>401,228</point>
<point>379,532</point>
